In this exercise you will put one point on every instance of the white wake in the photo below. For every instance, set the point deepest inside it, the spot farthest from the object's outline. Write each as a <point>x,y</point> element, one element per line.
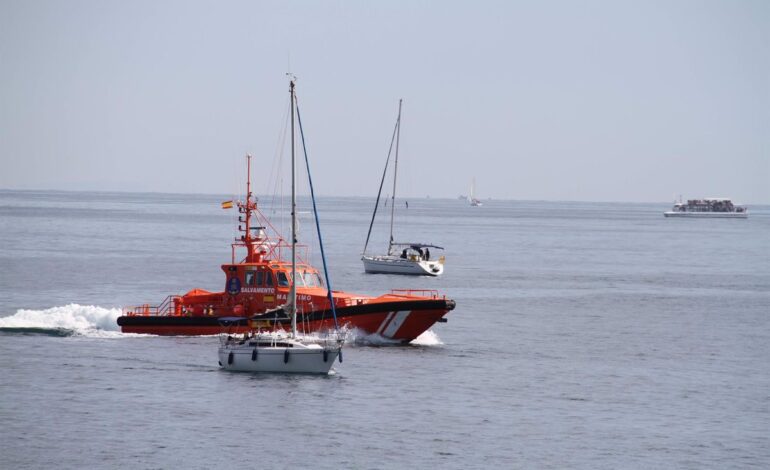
<point>73,319</point>
<point>359,337</point>
<point>427,338</point>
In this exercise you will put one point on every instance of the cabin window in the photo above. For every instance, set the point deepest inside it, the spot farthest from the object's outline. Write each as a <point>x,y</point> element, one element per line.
<point>260,277</point>
<point>283,280</point>
<point>313,280</point>
<point>268,279</point>
<point>299,282</point>
<point>250,277</point>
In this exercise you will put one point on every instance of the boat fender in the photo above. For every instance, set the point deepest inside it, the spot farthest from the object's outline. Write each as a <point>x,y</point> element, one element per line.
<point>254,354</point>
<point>340,356</point>
<point>230,358</point>
<point>326,356</point>
<point>285,356</point>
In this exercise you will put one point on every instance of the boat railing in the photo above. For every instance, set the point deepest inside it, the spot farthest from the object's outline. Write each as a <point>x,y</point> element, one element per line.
<point>167,307</point>
<point>432,293</point>
<point>274,249</point>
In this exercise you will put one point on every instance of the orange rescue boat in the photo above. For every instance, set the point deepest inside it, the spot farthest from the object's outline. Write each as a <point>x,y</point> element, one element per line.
<point>260,283</point>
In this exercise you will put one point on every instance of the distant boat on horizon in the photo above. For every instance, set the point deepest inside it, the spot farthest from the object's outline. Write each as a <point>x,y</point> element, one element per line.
<point>710,207</point>
<point>472,200</point>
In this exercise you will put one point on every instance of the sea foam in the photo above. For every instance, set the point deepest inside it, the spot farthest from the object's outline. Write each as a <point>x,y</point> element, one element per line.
<point>73,319</point>
<point>359,337</point>
<point>427,338</point>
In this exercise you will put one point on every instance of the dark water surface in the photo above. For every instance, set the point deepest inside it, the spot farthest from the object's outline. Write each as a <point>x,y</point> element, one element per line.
<point>586,335</point>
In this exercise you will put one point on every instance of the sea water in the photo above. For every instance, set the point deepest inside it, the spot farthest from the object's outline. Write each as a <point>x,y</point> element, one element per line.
<point>586,335</point>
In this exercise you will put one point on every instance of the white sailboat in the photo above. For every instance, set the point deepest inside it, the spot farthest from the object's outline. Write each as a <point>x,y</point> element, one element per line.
<point>401,258</point>
<point>276,351</point>
<point>280,351</point>
<point>472,198</point>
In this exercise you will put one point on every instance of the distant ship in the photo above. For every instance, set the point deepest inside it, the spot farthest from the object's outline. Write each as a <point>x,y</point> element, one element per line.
<point>708,207</point>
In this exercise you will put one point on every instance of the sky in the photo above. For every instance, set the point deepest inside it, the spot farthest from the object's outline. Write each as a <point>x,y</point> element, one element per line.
<point>537,100</point>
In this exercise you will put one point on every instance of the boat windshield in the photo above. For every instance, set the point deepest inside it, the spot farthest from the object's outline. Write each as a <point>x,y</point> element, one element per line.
<point>299,281</point>
<point>285,279</point>
<point>312,279</point>
<point>304,279</point>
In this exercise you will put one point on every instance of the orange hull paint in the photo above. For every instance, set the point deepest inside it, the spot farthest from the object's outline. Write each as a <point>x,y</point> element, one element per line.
<point>390,322</point>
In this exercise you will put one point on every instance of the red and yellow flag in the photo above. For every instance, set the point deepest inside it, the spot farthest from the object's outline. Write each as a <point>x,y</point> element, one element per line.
<point>227,205</point>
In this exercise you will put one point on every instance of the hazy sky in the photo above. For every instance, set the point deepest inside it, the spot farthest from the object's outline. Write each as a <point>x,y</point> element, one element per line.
<point>557,100</point>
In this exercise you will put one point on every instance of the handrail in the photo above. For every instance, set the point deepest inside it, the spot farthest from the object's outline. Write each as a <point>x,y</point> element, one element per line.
<point>165,308</point>
<point>432,293</point>
<point>274,250</point>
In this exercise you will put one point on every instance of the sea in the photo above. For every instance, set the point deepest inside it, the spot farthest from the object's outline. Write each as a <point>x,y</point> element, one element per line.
<point>586,335</point>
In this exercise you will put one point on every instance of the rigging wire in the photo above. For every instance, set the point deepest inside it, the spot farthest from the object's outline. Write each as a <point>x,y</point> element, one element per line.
<point>275,177</point>
<point>382,181</point>
<point>317,225</point>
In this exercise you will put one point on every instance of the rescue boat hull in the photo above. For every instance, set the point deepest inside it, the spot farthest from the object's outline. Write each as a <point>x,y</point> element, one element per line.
<point>401,321</point>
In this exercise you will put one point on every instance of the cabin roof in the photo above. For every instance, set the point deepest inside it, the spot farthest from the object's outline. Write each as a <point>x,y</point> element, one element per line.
<point>417,245</point>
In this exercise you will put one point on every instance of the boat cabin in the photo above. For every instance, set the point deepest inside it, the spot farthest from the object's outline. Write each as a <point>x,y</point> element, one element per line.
<point>708,205</point>
<point>413,251</point>
<point>264,278</point>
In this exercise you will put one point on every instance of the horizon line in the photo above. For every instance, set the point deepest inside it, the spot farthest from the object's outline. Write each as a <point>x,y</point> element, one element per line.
<point>490,198</point>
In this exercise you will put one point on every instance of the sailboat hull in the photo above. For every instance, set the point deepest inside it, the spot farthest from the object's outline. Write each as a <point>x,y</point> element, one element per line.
<point>287,360</point>
<point>396,265</point>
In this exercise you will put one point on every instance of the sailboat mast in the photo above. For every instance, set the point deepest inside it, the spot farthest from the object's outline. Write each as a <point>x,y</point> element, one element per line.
<point>293,289</point>
<point>395,175</point>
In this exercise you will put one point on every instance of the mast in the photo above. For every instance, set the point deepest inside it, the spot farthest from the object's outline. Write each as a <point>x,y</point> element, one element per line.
<point>246,208</point>
<point>293,289</point>
<point>247,239</point>
<point>395,174</point>
<point>382,182</point>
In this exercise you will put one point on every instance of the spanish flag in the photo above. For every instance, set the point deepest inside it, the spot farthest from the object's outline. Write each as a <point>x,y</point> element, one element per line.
<point>227,205</point>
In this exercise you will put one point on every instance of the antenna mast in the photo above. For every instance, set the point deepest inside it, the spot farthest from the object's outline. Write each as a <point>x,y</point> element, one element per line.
<point>251,242</point>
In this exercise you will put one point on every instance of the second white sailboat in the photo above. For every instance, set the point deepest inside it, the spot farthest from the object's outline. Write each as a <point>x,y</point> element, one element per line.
<point>401,258</point>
